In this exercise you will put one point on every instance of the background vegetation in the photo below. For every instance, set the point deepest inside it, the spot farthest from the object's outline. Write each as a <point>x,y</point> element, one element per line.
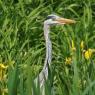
<point>22,47</point>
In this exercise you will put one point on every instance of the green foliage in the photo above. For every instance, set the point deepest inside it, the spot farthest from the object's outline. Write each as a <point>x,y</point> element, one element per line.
<point>22,47</point>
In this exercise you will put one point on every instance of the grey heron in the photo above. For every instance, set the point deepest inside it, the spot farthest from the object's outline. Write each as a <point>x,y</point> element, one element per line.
<point>50,20</point>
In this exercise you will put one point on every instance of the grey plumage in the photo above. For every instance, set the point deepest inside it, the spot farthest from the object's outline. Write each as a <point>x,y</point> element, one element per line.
<point>50,20</point>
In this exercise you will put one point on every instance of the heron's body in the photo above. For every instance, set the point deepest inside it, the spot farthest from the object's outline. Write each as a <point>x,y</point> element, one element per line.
<point>51,20</point>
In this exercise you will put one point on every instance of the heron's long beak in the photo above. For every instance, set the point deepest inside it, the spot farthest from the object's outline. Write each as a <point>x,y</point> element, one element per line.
<point>65,21</point>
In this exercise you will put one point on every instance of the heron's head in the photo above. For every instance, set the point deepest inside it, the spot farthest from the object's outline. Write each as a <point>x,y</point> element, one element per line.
<point>54,19</point>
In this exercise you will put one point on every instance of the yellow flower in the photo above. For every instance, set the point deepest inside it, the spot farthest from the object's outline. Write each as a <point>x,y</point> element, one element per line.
<point>73,46</point>
<point>2,66</point>
<point>2,70</point>
<point>82,45</point>
<point>88,53</point>
<point>68,60</point>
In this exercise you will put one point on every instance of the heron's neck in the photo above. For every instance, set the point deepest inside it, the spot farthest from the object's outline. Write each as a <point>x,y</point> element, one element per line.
<point>48,44</point>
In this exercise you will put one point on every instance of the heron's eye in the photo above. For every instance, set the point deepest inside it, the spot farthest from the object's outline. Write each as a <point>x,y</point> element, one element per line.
<point>53,18</point>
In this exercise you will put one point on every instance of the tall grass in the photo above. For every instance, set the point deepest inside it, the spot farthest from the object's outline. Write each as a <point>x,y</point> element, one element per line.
<point>22,47</point>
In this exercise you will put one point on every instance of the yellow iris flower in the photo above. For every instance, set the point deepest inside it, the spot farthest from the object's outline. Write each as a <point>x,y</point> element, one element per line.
<point>68,60</point>
<point>2,70</point>
<point>88,53</point>
<point>2,66</point>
